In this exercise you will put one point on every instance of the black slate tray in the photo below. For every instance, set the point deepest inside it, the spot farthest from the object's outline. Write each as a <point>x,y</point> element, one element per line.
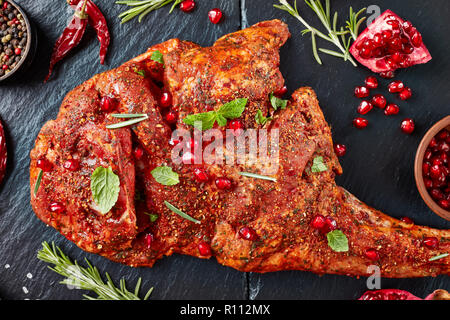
<point>378,167</point>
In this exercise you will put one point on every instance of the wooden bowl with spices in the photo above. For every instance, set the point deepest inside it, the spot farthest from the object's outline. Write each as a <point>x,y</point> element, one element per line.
<point>17,40</point>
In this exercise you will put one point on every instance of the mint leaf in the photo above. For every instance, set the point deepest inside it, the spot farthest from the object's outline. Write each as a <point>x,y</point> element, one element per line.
<point>233,109</point>
<point>105,187</point>
<point>158,57</point>
<point>318,165</point>
<point>260,119</point>
<point>165,176</point>
<point>206,119</point>
<point>337,241</point>
<point>221,120</point>
<point>277,102</point>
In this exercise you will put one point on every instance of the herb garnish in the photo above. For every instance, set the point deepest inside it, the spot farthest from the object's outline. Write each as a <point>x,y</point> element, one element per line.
<point>87,278</point>
<point>165,176</point>
<point>153,217</point>
<point>105,187</point>
<point>180,213</point>
<point>157,56</point>
<point>333,35</point>
<point>38,181</point>
<point>142,7</point>
<point>337,241</point>
<point>318,165</point>
<point>230,110</point>
<point>128,115</point>
<point>277,102</point>
<point>141,73</point>
<point>126,123</point>
<point>440,256</point>
<point>260,119</point>
<point>257,176</point>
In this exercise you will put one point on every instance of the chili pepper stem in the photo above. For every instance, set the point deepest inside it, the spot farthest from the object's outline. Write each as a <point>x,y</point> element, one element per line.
<point>82,14</point>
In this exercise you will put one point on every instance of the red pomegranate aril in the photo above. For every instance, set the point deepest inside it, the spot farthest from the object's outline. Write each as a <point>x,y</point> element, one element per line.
<point>394,24</point>
<point>371,82</point>
<point>72,164</point>
<point>360,123</point>
<point>435,171</point>
<point>372,254</point>
<point>248,233</point>
<point>204,248</point>
<point>340,149</point>
<point>444,203</point>
<point>443,135</point>
<point>436,161</point>
<point>171,117</point>
<point>395,86</point>
<point>391,109</point>
<point>416,39</point>
<point>280,93</point>
<point>436,194</point>
<point>108,104</point>
<point>223,183</point>
<point>407,220</point>
<point>387,35</point>
<point>387,74</point>
<point>378,39</point>
<point>44,165</point>
<point>215,15</point>
<point>330,225</point>
<point>364,107</point>
<point>200,175</point>
<point>318,222</point>
<point>361,92</point>
<point>433,143</point>
<point>407,26</point>
<point>187,5</point>
<point>148,240</point>
<point>138,153</point>
<point>428,183</point>
<point>428,154</point>
<point>407,126</point>
<point>379,101</point>
<point>57,207</point>
<point>165,100</point>
<point>444,157</point>
<point>444,146</point>
<point>236,126</point>
<point>405,94</point>
<point>431,242</point>
<point>426,168</point>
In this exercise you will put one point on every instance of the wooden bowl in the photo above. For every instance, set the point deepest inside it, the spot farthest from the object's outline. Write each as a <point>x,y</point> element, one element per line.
<point>444,123</point>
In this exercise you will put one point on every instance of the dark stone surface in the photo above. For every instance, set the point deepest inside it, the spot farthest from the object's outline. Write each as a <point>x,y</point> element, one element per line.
<point>378,165</point>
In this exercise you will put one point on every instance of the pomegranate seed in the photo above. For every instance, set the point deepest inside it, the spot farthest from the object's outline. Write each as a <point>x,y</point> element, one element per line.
<point>416,39</point>
<point>318,222</point>
<point>364,107</point>
<point>443,135</point>
<point>436,161</point>
<point>371,82</point>
<point>187,5</point>
<point>72,165</point>
<point>394,24</point>
<point>204,248</point>
<point>200,175</point>
<point>361,92</point>
<point>165,100</point>
<point>379,101</point>
<point>281,92</point>
<point>108,104</point>
<point>428,154</point>
<point>426,168</point>
<point>444,203</point>
<point>431,242</point>
<point>387,74</point>
<point>391,109</point>
<point>340,150</point>
<point>436,194</point>
<point>330,225</point>
<point>44,165</point>
<point>433,143</point>
<point>223,183</point>
<point>248,233</point>
<point>236,126</point>
<point>405,94</point>
<point>395,86</point>
<point>18,51</point>
<point>407,26</point>
<point>372,254</point>
<point>138,153</point>
<point>407,220</point>
<point>360,123</point>
<point>57,207</point>
<point>428,183</point>
<point>171,117</point>
<point>148,240</point>
<point>407,126</point>
<point>215,15</point>
<point>435,171</point>
<point>444,146</point>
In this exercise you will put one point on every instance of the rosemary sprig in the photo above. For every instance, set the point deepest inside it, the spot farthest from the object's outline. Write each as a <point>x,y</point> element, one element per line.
<point>38,182</point>
<point>128,115</point>
<point>180,213</point>
<point>127,123</point>
<point>257,176</point>
<point>334,35</point>
<point>87,278</point>
<point>440,256</point>
<point>143,7</point>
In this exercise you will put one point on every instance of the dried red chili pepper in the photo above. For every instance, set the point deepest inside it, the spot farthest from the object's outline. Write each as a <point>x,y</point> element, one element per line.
<point>98,22</point>
<point>71,36</point>
<point>3,153</point>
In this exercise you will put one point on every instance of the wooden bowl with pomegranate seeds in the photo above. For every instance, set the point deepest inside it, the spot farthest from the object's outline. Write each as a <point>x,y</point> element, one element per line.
<point>432,168</point>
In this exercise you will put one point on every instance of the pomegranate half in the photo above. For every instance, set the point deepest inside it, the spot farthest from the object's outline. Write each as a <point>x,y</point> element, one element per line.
<point>390,43</point>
